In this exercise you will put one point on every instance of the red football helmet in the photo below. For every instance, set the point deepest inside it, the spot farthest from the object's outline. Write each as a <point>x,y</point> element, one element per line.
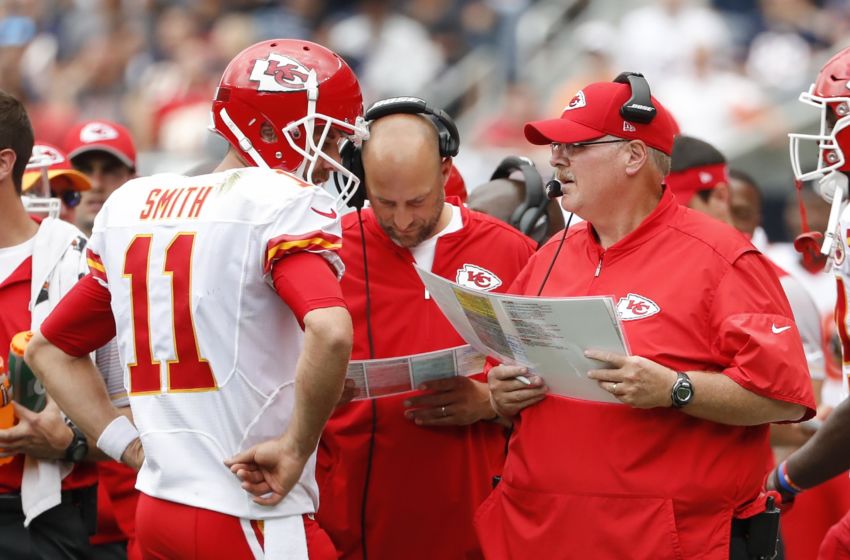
<point>831,94</point>
<point>274,96</point>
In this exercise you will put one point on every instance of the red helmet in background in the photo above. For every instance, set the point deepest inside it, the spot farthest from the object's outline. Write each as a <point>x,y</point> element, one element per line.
<point>831,94</point>
<point>275,95</point>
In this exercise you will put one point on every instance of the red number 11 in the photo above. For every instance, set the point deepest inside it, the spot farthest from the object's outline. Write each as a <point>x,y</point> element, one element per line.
<point>189,371</point>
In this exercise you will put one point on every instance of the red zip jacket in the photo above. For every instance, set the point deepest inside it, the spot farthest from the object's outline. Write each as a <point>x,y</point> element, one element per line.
<point>594,480</point>
<point>425,483</point>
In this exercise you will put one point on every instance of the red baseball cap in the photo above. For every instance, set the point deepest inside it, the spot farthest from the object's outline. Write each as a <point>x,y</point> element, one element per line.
<point>101,136</point>
<point>595,112</point>
<point>687,183</point>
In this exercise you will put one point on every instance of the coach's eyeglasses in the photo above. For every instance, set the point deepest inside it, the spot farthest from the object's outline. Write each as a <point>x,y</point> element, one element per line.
<point>570,150</point>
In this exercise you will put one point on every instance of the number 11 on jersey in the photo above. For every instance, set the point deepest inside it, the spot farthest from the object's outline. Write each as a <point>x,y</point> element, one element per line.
<point>188,371</point>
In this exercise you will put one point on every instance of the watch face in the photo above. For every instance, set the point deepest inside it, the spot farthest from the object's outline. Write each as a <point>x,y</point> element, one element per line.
<point>683,393</point>
<point>78,452</point>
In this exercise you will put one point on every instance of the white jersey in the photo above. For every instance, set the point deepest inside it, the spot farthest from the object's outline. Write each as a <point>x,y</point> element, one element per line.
<point>208,348</point>
<point>841,269</point>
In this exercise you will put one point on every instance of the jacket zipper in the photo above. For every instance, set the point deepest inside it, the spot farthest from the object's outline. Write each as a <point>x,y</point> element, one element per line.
<point>599,266</point>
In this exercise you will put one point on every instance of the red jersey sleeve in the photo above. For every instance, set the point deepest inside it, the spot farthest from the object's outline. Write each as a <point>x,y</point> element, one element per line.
<point>82,321</point>
<point>754,331</point>
<point>306,281</point>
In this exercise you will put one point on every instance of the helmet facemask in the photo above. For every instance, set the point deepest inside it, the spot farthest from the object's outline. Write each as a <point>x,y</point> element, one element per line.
<point>830,156</point>
<point>39,201</point>
<point>316,128</point>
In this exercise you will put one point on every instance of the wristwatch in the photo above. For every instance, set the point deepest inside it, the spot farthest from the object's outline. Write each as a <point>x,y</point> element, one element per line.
<point>79,446</point>
<point>683,390</point>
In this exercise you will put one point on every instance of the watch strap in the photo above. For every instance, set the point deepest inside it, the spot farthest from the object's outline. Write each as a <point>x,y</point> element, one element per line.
<point>78,441</point>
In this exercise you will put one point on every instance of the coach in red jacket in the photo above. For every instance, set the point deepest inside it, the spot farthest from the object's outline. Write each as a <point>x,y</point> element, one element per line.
<point>401,476</point>
<point>716,356</point>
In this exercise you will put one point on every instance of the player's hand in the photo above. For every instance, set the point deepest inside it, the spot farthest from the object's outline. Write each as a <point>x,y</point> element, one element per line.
<point>349,391</point>
<point>43,435</point>
<point>771,484</point>
<point>134,455</point>
<point>269,469</point>
<point>453,401</point>
<point>508,395</point>
<point>634,380</point>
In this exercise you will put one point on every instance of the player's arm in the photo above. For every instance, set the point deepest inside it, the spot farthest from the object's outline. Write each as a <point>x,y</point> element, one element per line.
<point>319,375</point>
<point>59,356</point>
<point>825,455</point>
<point>309,287</point>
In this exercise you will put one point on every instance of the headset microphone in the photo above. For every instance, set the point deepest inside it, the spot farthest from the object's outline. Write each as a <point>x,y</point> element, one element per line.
<point>553,189</point>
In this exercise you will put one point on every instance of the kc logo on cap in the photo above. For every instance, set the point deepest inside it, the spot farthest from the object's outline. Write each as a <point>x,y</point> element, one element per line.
<point>101,136</point>
<point>97,132</point>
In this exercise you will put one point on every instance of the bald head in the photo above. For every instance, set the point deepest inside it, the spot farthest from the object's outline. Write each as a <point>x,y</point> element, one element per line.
<point>405,175</point>
<point>399,141</point>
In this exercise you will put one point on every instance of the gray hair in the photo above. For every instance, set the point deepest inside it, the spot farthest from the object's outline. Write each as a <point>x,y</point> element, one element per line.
<point>660,160</point>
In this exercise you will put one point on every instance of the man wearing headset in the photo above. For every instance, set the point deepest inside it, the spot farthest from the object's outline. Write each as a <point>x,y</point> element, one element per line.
<point>715,357</point>
<point>401,476</point>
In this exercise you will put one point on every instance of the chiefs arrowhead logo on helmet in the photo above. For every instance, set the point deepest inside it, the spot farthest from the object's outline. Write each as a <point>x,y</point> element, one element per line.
<point>577,101</point>
<point>634,306</point>
<point>44,156</point>
<point>477,278</point>
<point>279,73</point>
<point>97,132</point>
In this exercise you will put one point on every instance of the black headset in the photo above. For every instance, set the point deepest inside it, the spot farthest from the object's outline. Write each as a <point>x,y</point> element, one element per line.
<point>639,107</point>
<point>448,136</point>
<point>530,216</point>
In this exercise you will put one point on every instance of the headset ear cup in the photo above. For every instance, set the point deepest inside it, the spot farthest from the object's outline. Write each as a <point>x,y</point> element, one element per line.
<point>534,222</point>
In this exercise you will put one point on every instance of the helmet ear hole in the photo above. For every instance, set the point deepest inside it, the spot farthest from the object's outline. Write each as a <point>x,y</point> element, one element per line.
<point>268,133</point>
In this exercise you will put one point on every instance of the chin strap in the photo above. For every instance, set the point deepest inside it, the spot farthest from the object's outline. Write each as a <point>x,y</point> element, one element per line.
<point>817,247</point>
<point>808,243</point>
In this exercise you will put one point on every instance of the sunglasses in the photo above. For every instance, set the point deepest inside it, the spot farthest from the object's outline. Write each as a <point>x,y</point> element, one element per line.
<point>69,198</point>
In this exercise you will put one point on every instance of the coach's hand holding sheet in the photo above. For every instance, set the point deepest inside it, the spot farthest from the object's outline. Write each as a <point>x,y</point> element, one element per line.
<point>547,336</point>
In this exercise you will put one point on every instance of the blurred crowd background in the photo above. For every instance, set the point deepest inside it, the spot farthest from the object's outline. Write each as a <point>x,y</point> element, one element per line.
<point>729,70</point>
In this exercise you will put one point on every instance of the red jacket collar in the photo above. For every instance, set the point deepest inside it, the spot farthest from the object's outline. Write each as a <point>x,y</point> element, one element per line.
<point>668,207</point>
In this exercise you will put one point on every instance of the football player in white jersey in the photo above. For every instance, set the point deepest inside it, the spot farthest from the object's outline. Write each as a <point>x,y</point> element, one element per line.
<point>827,454</point>
<point>230,321</point>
